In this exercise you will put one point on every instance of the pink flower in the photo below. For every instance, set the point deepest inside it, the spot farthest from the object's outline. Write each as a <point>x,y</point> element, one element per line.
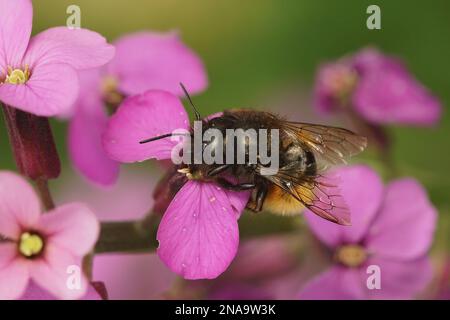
<point>34,292</point>
<point>267,267</point>
<point>198,235</point>
<point>129,199</point>
<point>443,292</point>
<point>392,228</point>
<point>39,75</point>
<point>143,61</point>
<point>39,247</point>
<point>377,88</point>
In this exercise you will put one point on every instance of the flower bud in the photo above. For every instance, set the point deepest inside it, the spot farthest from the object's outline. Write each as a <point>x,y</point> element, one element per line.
<point>32,143</point>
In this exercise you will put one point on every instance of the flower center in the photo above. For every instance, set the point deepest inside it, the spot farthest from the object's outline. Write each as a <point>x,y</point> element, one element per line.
<point>110,91</point>
<point>31,244</point>
<point>17,76</point>
<point>341,82</point>
<point>351,255</point>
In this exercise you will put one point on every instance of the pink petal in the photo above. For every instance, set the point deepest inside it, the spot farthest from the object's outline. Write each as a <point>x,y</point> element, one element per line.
<point>337,283</point>
<point>251,262</point>
<point>79,48</point>
<point>19,205</point>
<point>240,291</point>
<point>34,292</point>
<point>90,99</point>
<point>330,79</point>
<point>198,235</point>
<point>86,149</point>
<point>238,200</point>
<point>286,286</point>
<point>141,117</point>
<point>8,253</point>
<point>16,18</point>
<point>51,90</point>
<point>130,198</point>
<point>362,190</point>
<point>159,61</point>
<point>90,87</point>
<point>85,130</point>
<point>52,273</point>
<point>389,94</point>
<point>405,226</point>
<point>148,277</point>
<point>73,227</point>
<point>399,280</point>
<point>13,275</point>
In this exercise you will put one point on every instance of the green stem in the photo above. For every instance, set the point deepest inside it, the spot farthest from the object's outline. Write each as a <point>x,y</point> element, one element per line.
<point>87,265</point>
<point>379,138</point>
<point>127,236</point>
<point>140,236</point>
<point>44,192</point>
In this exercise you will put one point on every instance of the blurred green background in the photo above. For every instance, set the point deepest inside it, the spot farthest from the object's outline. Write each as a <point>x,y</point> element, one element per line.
<point>253,48</point>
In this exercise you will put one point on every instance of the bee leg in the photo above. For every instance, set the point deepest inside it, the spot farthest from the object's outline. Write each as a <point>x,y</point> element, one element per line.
<point>261,194</point>
<point>235,187</point>
<point>218,170</point>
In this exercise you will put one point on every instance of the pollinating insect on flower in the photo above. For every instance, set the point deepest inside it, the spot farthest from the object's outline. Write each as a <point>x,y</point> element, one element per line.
<point>314,227</point>
<point>198,235</point>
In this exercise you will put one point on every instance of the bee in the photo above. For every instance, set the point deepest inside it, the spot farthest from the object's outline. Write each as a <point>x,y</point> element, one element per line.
<point>305,153</point>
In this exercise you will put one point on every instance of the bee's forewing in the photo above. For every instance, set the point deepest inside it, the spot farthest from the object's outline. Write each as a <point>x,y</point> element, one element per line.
<point>330,145</point>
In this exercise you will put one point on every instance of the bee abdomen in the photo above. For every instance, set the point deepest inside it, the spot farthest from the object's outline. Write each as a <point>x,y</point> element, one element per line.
<point>310,163</point>
<point>280,202</point>
<point>300,160</point>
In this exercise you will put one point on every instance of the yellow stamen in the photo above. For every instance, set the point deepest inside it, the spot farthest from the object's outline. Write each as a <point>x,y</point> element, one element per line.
<point>342,82</point>
<point>351,255</point>
<point>110,90</point>
<point>17,76</point>
<point>30,244</point>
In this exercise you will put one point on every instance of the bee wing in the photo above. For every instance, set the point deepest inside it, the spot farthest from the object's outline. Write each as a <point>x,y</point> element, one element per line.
<point>330,145</point>
<point>319,194</point>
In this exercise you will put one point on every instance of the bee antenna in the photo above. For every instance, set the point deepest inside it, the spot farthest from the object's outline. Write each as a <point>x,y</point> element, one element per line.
<point>197,114</point>
<point>163,136</point>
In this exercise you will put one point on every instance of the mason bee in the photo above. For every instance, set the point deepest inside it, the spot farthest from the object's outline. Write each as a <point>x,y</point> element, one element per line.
<point>305,152</point>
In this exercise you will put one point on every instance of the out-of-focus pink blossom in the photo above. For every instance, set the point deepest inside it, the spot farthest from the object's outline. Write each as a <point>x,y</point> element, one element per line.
<point>126,276</point>
<point>34,292</point>
<point>41,247</point>
<point>143,61</point>
<point>39,75</point>
<point>198,235</point>
<point>392,228</point>
<point>264,268</point>
<point>376,87</point>
<point>443,282</point>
